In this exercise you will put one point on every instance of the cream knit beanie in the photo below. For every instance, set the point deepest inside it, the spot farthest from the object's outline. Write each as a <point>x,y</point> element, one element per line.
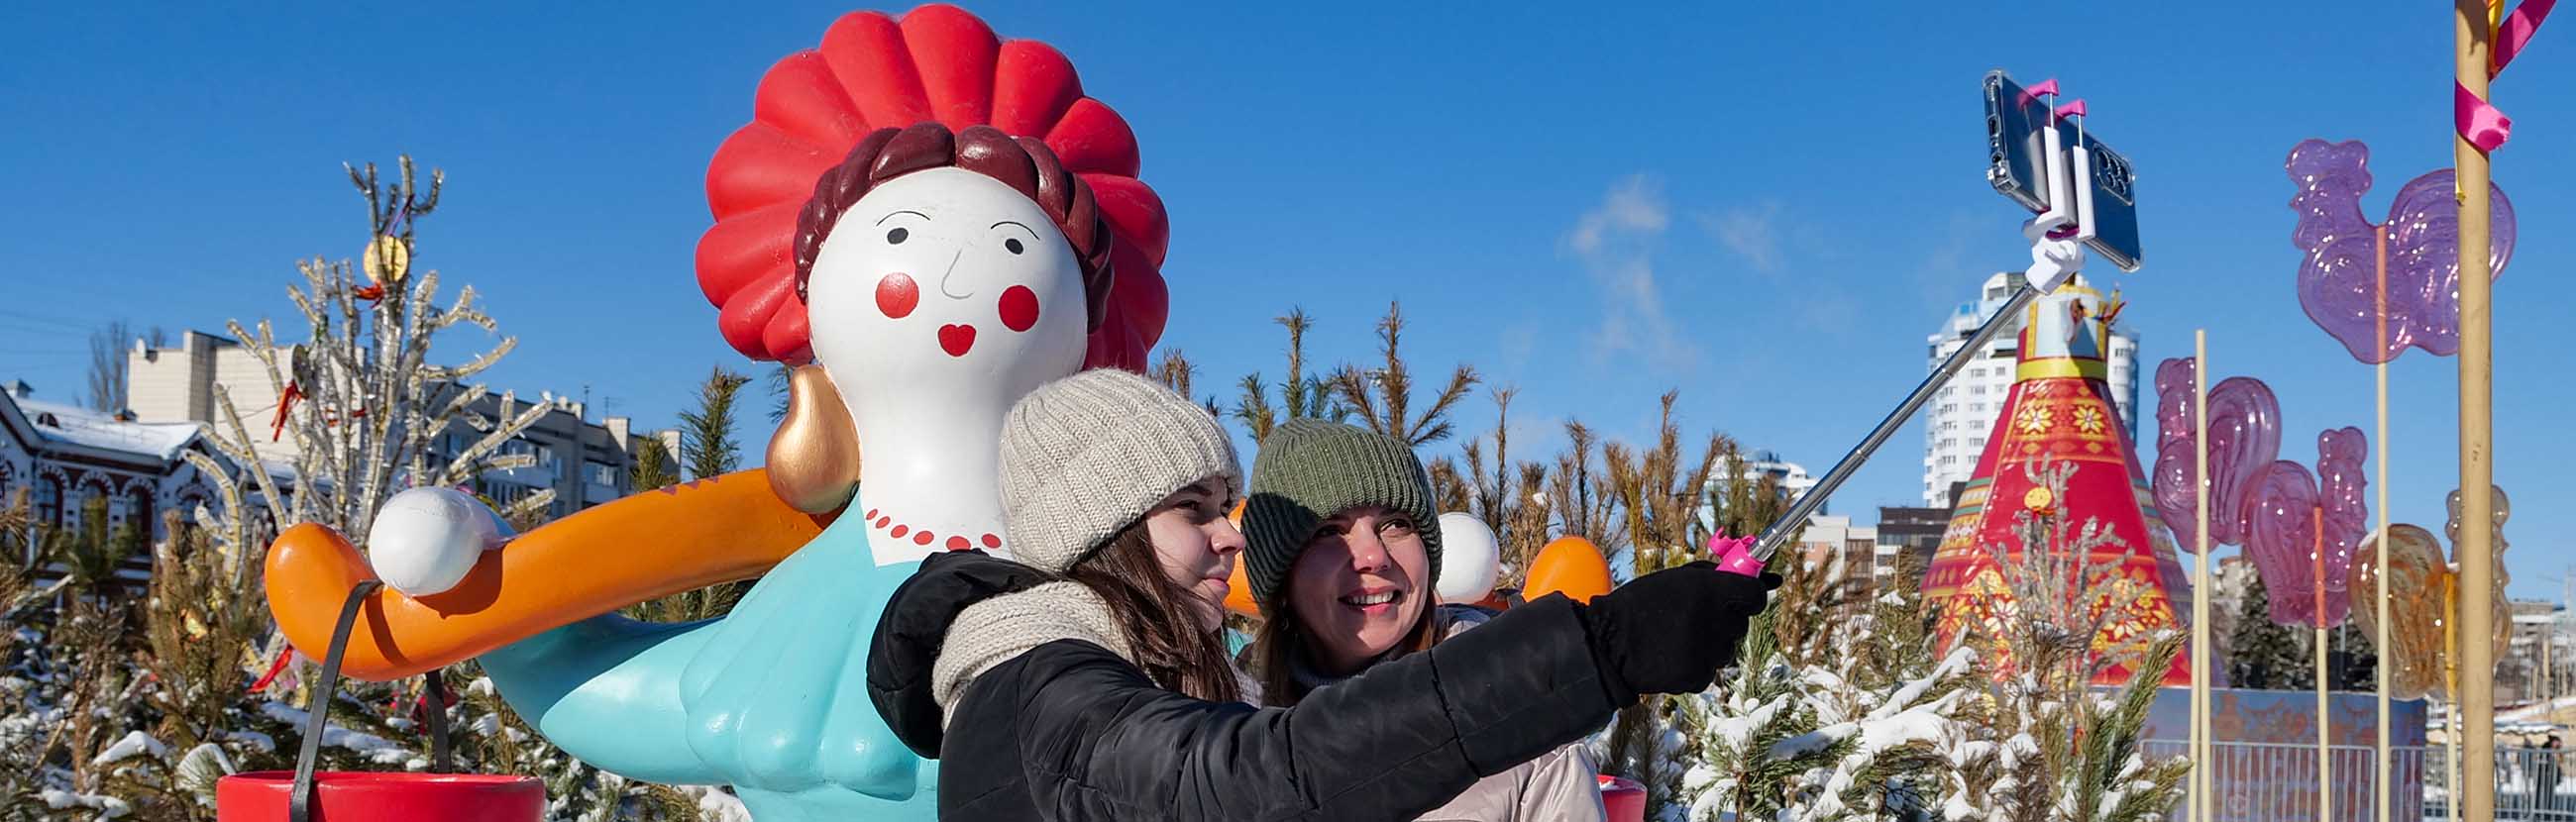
<point>1089,454</point>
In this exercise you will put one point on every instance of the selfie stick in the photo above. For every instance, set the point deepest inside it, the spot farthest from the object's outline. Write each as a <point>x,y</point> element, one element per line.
<point>2056,253</point>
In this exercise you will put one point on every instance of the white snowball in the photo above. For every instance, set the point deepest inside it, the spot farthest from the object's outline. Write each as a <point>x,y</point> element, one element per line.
<point>425,540</point>
<point>1470,558</point>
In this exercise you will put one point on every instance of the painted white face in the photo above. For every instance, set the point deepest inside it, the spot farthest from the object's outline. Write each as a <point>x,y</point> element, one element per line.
<point>946,281</point>
<point>940,299</point>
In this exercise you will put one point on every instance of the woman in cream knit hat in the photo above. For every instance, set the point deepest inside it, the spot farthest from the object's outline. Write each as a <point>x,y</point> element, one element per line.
<point>1085,678</point>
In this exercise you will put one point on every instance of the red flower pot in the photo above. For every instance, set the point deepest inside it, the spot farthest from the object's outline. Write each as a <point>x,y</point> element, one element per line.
<point>261,796</point>
<point>1622,798</point>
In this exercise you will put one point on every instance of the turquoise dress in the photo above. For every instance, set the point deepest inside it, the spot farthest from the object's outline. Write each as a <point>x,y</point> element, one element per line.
<point>771,698</point>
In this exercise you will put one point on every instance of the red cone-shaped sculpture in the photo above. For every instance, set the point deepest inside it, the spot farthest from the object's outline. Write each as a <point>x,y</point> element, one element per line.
<point>2060,407</point>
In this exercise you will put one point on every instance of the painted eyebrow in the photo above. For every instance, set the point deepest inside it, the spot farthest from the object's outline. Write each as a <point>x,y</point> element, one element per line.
<point>890,215</point>
<point>1033,234</point>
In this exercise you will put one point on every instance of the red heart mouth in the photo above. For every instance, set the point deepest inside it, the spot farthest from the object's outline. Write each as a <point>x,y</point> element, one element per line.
<point>956,339</point>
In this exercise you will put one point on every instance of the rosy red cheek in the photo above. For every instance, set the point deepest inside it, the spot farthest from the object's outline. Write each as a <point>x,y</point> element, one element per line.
<point>896,296</point>
<point>1019,308</point>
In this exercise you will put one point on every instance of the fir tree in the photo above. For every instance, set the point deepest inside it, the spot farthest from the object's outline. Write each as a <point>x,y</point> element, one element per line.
<point>654,467</point>
<point>1382,397</point>
<point>1301,394</point>
<point>1510,499</point>
<point>2262,653</point>
<point>707,446</point>
<point>1580,492</point>
<point>708,449</point>
<point>1174,370</point>
<point>91,553</point>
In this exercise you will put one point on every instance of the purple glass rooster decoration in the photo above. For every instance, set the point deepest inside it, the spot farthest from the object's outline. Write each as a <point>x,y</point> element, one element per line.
<point>2418,248</point>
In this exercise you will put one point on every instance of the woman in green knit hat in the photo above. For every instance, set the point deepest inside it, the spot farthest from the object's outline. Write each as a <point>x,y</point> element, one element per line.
<point>1343,549</point>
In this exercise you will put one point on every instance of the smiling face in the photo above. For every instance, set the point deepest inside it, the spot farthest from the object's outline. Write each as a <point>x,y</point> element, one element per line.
<point>944,275</point>
<point>1196,546</point>
<point>1359,586</point>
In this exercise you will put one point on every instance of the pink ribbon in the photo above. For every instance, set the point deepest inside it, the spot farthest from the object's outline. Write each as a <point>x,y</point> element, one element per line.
<point>2479,121</point>
<point>2075,108</point>
<point>2516,31</point>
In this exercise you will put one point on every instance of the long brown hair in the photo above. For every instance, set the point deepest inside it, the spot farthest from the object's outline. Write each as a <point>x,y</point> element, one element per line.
<point>1158,618</point>
<point>1280,642</point>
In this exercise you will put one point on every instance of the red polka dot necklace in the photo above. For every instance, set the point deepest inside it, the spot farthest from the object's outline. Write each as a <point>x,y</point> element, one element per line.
<point>878,520</point>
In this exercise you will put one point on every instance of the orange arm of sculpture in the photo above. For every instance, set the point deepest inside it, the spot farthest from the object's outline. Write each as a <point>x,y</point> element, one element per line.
<point>650,545</point>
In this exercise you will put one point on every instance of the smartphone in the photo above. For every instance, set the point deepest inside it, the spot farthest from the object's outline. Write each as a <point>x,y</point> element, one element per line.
<point>2015,148</point>
<point>2016,164</point>
<point>2115,206</point>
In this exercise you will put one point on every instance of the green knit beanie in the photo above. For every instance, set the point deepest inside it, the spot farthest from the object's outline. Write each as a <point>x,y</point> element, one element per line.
<point>1310,469</point>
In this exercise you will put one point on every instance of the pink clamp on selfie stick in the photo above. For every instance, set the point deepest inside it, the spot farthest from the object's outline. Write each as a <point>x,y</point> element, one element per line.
<point>1735,554</point>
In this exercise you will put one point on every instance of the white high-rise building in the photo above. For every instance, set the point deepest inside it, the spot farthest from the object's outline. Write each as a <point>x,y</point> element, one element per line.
<point>1958,419</point>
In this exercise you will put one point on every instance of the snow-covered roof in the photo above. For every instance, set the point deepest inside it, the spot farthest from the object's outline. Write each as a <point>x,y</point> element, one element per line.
<point>74,425</point>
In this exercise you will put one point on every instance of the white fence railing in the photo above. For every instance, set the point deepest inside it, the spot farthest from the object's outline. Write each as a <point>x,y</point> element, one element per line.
<point>2278,783</point>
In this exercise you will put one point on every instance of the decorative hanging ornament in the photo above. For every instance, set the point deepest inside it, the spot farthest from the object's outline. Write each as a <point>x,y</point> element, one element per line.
<point>388,258</point>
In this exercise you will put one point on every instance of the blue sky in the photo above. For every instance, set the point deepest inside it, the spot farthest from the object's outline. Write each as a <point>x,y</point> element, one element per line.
<point>1767,207</point>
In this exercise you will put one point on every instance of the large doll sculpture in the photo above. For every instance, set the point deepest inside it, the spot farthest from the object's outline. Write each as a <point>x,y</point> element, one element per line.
<point>931,222</point>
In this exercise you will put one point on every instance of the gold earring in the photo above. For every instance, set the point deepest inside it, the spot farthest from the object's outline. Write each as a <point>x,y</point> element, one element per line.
<point>814,457</point>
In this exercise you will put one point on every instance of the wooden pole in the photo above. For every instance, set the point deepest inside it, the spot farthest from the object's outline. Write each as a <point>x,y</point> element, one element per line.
<point>2325,763</point>
<point>2451,691</point>
<point>2384,769</point>
<point>2474,30</point>
<point>2204,803</point>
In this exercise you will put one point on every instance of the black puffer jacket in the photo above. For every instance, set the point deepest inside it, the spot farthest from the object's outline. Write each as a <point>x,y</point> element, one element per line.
<point>1072,731</point>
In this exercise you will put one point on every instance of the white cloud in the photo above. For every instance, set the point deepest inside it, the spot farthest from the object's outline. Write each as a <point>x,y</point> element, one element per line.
<point>1615,242</point>
<point>1752,233</point>
<point>1634,206</point>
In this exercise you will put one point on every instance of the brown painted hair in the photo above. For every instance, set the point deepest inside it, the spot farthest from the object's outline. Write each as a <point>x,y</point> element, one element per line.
<point>1155,615</point>
<point>816,429</point>
<point>1024,164</point>
<point>1280,644</point>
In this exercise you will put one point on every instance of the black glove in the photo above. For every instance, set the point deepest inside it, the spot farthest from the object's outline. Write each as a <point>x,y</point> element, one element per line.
<point>1670,631</point>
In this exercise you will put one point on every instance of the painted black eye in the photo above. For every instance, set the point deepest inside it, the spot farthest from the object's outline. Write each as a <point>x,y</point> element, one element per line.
<point>896,236</point>
<point>1014,245</point>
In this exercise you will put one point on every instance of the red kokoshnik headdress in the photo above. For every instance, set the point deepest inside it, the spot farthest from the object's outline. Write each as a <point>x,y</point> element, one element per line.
<point>937,63</point>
